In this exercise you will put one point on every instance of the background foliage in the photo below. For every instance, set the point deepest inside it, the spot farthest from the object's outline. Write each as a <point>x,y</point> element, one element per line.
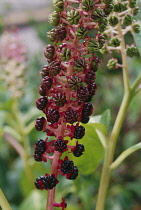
<point>124,194</point>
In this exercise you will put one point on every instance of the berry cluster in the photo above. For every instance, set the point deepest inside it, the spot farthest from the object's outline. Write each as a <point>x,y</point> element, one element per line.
<point>46,182</point>
<point>69,78</point>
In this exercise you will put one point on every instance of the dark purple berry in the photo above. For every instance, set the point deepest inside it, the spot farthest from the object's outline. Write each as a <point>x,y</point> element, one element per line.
<point>54,68</point>
<point>90,77</point>
<point>39,124</point>
<point>53,116</point>
<point>46,182</point>
<point>67,166</point>
<point>60,145</point>
<point>79,132</point>
<point>95,63</point>
<point>92,89</point>
<point>40,146</point>
<point>85,119</point>
<point>60,33</point>
<point>78,150</point>
<point>87,109</point>
<point>71,116</point>
<point>74,173</point>
<point>42,91</point>
<point>49,51</point>
<point>41,102</point>
<point>46,83</point>
<point>45,71</point>
<point>59,99</point>
<point>38,157</point>
<point>82,94</point>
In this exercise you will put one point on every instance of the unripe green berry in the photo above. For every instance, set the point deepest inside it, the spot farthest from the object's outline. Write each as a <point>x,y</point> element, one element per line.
<point>98,14</point>
<point>54,18</point>
<point>108,9</point>
<point>101,40</point>
<point>112,64</point>
<point>87,5</point>
<point>115,42</point>
<point>131,51</point>
<point>128,20</point>
<point>58,5</point>
<point>113,20</point>
<point>74,82</point>
<point>136,11</point>
<point>51,35</point>
<point>119,7</point>
<point>103,50</point>
<point>73,17</point>
<point>132,3</point>
<point>102,25</point>
<point>136,28</point>
<point>65,54</point>
<point>108,1</point>
<point>93,46</point>
<point>79,64</point>
<point>81,32</point>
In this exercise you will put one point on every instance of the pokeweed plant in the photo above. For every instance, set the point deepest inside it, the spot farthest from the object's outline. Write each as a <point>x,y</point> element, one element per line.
<point>68,85</point>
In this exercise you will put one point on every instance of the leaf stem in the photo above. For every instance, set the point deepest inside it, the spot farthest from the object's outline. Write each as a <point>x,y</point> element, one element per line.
<point>110,150</point>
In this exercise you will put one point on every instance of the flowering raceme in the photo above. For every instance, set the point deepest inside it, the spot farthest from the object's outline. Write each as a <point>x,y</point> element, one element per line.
<point>68,85</point>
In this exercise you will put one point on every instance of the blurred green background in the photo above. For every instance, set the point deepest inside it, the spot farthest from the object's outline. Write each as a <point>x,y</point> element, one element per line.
<point>17,118</point>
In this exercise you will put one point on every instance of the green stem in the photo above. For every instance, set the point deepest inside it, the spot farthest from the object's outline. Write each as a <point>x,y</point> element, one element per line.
<point>3,202</point>
<point>110,149</point>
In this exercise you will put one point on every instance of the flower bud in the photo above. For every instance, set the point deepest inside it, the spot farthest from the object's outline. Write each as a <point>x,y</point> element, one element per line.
<point>81,32</point>
<point>131,51</point>
<point>73,17</point>
<point>58,5</point>
<point>119,7</point>
<point>113,20</point>
<point>128,20</point>
<point>93,46</point>
<point>115,42</point>
<point>112,64</point>
<point>79,64</point>
<point>136,28</point>
<point>65,54</point>
<point>87,5</point>
<point>54,18</point>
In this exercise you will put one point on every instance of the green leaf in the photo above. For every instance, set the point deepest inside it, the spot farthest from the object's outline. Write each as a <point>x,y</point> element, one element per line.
<point>106,118</point>
<point>93,154</point>
<point>36,200</point>
<point>137,38</point>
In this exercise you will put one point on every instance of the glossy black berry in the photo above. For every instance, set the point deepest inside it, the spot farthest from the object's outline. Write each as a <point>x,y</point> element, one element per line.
<point>82,94</point>
<point>79,132</point>
<point>85,119</point>
<point>90,77</point>
<point>39,124</point>
<point>71,116</point>
<point>41,102</point>
<point>46,182</point>
<point>53,116</point>
<point>87,109</point>
<point>67,166</point>
<point>92,89</point>
<point>74,173</point>
<point>42,91</point>
<point>78,150</point>
<point>60,145</point>
<point>38,157</point>
<point>40,146</point>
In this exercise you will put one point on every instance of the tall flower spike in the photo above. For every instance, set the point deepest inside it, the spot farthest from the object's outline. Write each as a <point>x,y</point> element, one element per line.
<point>68,85</point>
